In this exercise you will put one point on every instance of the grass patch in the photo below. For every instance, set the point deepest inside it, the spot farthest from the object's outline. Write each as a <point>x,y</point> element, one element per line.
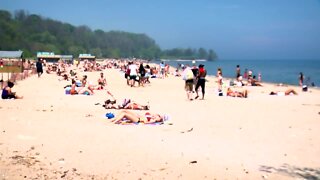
<point>9,69</point>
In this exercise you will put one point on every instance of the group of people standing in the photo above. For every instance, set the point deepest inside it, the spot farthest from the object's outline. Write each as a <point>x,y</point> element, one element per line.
<point>137,73</point>
<point>194,78</point>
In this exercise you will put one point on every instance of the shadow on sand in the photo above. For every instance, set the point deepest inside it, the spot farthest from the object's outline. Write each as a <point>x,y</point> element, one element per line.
<point>293,171</point>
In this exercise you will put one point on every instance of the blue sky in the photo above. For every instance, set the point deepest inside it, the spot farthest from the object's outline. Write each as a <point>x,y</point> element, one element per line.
<point>235,29</point>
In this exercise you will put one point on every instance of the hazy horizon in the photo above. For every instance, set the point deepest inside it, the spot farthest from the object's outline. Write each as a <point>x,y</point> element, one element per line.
<point>285,29</point>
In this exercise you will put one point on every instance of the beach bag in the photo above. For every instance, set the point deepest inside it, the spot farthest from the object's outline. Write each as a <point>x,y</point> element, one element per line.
<point>189,75</point>
<point>67,90</point>
<point>305,88</point>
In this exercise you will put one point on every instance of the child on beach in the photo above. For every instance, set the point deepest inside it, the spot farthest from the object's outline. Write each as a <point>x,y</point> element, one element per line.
<point>7,92</point>
<point>220,80</point>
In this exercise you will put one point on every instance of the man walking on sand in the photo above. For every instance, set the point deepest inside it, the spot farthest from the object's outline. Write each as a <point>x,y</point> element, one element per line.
<point>39,67</point>
<point>188,77</point>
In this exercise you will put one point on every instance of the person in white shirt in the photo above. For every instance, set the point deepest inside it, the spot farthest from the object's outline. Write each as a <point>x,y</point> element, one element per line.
<point>133,73</point>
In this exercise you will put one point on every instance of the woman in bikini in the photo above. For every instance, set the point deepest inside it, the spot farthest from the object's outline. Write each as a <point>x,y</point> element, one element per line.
<point>80,90</point>
<point>132,117</point>
<point>243,94</point>
<point>73,90</point>
<point>287,92</point>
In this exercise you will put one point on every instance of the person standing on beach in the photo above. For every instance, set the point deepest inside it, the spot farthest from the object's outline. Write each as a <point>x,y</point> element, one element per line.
<point>238,71</point>
<point>301,78</point>
<point>162,69</point>
<point>195,72</point>
<point>142,73</point>
<point>220,82</point>
<point>188,78</point>
<point>1,63</point>
<point>259,77</point>
<point>201,80</point>
<point>133,73</point>
<point>39,67</point>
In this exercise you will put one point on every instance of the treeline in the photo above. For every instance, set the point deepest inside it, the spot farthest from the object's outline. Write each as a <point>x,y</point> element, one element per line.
<point>33,33</point>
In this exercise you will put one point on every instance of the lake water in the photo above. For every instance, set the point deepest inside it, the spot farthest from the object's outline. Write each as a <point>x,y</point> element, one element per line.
<point>274,71</point>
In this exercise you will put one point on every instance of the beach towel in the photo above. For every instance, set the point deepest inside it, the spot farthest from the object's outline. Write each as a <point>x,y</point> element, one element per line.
<point>128,122</point>
<point>110,115</point>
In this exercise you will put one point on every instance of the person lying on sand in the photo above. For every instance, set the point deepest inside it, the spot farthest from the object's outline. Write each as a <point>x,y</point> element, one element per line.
<point>127,104</point>
<point>287,92</point>
<point>243,94</point>
<point>132,117</point>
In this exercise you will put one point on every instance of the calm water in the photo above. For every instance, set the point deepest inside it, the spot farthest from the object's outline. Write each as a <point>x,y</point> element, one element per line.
<point>275,71</point>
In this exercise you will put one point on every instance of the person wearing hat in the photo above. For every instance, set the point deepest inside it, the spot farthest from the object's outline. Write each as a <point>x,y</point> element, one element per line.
<point>201,80</point>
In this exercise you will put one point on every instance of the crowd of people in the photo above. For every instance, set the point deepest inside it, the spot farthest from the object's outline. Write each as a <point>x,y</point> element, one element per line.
<point>138,73</point>
<point>195,79</point>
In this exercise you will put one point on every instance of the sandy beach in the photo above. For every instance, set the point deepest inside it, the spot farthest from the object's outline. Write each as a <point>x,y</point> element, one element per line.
<point>51,135</point>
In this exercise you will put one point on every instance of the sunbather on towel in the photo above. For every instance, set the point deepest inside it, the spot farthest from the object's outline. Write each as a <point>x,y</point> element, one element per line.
<point>132,117</point>
<point>243,94</point>
<point>127,104</point>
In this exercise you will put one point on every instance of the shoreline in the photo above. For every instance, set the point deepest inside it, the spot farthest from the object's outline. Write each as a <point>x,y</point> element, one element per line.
<point>260,66</point>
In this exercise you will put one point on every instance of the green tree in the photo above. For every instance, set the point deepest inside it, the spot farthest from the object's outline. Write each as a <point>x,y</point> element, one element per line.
<point>202,53</point>
<point>33,33</point>
<point>212,55</point>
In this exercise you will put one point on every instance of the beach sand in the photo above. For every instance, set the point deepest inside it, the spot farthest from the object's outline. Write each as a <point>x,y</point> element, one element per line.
<point>51,135</point>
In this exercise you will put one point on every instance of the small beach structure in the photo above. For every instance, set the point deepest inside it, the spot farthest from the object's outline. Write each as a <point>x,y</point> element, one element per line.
<point>50,57</point>
<point>11,64</point>
<point>67,58</point>
<point>10,61</point>
<point>88,57</point>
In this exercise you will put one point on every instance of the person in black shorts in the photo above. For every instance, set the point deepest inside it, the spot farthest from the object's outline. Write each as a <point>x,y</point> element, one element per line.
<point>202,72</point>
